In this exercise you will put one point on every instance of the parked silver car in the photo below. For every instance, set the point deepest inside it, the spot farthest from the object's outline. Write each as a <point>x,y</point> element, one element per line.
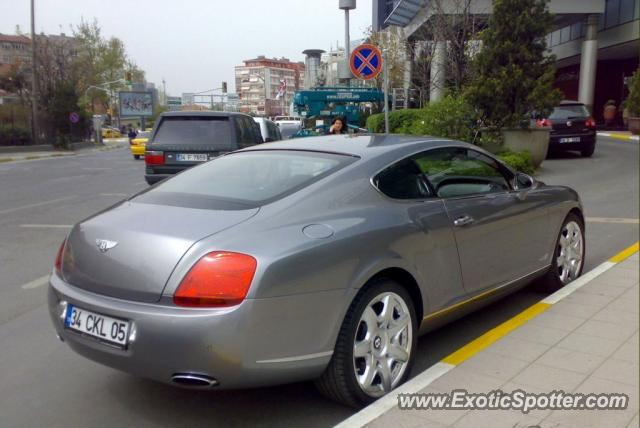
<point>318,258</point>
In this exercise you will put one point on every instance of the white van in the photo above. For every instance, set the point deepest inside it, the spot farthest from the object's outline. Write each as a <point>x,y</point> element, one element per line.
<point>268,129</point>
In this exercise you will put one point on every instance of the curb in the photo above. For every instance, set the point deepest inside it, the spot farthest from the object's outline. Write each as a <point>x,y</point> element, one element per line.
<point>61,155</point>
<point>424,379</point>
<point>618,136</point>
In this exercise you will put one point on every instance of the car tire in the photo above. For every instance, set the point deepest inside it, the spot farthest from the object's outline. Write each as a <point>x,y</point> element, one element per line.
<point>555,278</point>
<point>136,156</point>
<point>345,373</point>
<point>588,152</point>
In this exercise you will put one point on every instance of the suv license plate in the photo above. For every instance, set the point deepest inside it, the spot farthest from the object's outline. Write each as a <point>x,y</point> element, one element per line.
<point>570,140</point>
<point>191,157</point>
<point>105,328</point>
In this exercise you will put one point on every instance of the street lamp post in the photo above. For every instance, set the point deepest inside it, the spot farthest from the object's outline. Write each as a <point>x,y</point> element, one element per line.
<point>34,85</point>
<point>345,72</point>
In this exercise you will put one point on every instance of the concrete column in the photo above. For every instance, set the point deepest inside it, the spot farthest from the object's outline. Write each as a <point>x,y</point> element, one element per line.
<point>588,63</point>
<point>408,63</point>
<point>438,71</point>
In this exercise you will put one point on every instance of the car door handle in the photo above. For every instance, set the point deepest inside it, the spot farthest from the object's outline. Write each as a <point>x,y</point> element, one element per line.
<point>463,220</point>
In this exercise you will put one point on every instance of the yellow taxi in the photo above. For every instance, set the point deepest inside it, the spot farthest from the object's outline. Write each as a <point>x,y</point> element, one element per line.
<point>139,143</point>
<point>110,133</point>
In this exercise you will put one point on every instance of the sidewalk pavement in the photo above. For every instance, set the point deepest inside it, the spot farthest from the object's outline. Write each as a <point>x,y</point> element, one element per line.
<point>619,135</point>
<point>581,339</point>
<point>109,144</point>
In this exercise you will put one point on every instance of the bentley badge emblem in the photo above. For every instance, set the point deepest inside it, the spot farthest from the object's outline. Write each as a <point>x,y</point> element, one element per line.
<point>569,123</point>
<point>105,245</point>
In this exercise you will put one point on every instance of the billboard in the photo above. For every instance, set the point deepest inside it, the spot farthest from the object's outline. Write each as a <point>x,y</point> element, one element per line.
<point>136,104</point>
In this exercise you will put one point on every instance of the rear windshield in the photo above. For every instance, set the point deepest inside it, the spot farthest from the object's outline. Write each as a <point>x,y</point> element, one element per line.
<point>213,131</point>
<point>247,179</point>
<point>569,111</point>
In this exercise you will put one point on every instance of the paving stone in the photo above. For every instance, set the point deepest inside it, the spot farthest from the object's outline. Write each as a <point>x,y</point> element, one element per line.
<point>627,352</point>
<point>572,360</point>
<point>403,419</point>
<point>494,365</point>
<point>602,289</point>
<point>619,371</point>
<point>539,334</point>
<point>464,378</point>
<point>564,307</point>
<point>496,419</point>
<point>635,422</point>
<point>583,298</point>
<point>590,344</point>
<point>614,316</point>
<point>549,378</point>
<point>557,320</point>
<point>518,348</point>
<point>607,330</point>
<point>540,414</point>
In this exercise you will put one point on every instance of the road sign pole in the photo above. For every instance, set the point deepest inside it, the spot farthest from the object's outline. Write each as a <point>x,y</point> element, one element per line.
<point>385,72</point>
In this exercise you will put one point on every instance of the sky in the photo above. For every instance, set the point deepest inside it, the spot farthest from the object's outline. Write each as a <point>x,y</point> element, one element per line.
<point>195,44</point>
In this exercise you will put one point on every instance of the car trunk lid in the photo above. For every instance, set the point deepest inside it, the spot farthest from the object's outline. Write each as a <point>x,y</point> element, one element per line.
<point>130,251</point>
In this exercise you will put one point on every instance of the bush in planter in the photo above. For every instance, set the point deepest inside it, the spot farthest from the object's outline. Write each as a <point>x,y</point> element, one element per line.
<point>520,161</point>
<point>633,100</point>
<point>512,76</point>
<point>450,117</point>
<point>400,121</point>
<point>14,135</point>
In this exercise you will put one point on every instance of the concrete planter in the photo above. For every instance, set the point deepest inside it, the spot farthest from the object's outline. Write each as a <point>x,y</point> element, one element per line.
<point>535,140</point>
<point>634,125</point>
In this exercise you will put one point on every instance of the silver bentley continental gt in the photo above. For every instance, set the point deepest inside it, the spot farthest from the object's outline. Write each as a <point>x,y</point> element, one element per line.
<point>319,258</point>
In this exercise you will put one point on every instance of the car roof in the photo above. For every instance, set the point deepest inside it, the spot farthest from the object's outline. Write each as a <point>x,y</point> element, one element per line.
<point>204,114</point>
<point>361,145</point>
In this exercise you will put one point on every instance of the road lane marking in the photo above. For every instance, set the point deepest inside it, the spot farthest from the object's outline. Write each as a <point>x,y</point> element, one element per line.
<point>488,338</point>
<point>613,220</point>
<point>39,282</point>
<point>47,226</point>
<point>379,407</point>
<point>626,253</point>
<point>39,204</point>
<point>619,136</point>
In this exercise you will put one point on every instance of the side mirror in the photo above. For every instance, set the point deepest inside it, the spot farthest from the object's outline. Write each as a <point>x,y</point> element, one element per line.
<point>524,181</point>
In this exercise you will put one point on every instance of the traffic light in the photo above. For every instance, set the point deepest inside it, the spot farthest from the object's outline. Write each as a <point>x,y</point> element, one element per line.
<point>224,87</point>
<point>128,77</point>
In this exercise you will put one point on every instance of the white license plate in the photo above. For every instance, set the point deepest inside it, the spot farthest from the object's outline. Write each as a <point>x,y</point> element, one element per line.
<point>105,328</point>
<point>570,140</point>
<point>190,157</point>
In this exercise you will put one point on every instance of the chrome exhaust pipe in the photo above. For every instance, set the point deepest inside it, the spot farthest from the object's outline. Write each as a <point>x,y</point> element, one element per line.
<point>194,380</point>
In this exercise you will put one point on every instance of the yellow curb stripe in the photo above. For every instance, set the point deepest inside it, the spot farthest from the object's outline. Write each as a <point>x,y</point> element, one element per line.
<point>627,252</point>
<point>477,345</point>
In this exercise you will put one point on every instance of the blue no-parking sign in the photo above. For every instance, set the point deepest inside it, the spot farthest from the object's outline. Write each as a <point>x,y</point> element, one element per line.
<point>366,61</point>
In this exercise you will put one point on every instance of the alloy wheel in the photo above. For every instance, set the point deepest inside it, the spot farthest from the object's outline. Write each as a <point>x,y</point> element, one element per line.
<point>570,252</point>
<point>382,344</point>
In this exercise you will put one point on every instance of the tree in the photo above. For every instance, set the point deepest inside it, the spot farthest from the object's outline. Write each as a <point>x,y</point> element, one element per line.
<point>633,100</point>
<point>513,77</point>
<point>391,42</point>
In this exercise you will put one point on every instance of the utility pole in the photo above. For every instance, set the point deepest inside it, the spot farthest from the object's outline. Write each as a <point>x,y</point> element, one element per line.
<point>344,71</point>
<point>385,71</point>
<point>164,91</point>
<point>34,85</point>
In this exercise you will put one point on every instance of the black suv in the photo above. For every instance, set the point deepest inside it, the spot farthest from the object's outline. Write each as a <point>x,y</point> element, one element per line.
<point>572,128</point>
<point>184,139</point>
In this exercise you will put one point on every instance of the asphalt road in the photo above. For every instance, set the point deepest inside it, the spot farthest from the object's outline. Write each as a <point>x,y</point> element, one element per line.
<point>45,384</point>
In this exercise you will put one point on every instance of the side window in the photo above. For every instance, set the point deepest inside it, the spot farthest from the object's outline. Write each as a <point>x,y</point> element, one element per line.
<point>458,171</point>
<point>274,133</point>
<point>244,129</point>
<point>402,180</point>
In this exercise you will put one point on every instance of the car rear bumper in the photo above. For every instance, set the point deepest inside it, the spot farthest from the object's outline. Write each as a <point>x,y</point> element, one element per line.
<point>586,141</point>
<point>259,342</point>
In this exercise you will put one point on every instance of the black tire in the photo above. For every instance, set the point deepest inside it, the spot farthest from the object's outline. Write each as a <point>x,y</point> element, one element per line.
<point>339,382</point>
<point>588,152</point>
<point>551,281</point>
<point>136,156</point>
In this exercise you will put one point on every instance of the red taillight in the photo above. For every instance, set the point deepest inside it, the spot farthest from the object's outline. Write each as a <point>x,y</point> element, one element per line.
<point>153,157</point>
<point>58,263</point>
<point>218,279</point>
<point>590,123</point>
<point>542,123</point>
